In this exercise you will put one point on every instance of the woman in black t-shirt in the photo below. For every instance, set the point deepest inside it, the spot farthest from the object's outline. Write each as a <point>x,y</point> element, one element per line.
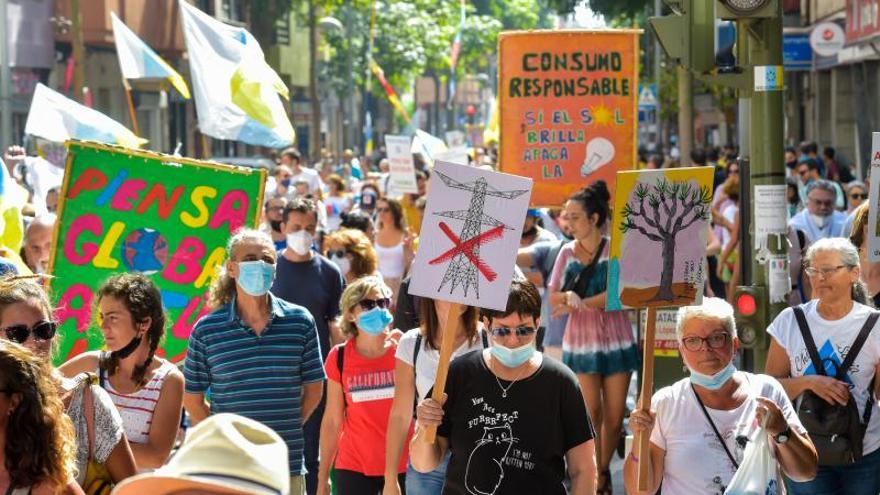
<point>512,419</point>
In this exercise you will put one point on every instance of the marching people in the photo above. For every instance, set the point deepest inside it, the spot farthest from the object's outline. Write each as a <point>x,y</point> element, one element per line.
<point>147,390</point>
<point>393,243</point>
<point>415,369</point>
<point>360,389</point>
<point>37,442</point>
<point>826,353</point>
<point>699,426</point>
<point>869,271</point>
<point>274,216</point>
<point>598,345</point>
<point>102,456</point>
<point>255,334</point>
<point>510,421</point>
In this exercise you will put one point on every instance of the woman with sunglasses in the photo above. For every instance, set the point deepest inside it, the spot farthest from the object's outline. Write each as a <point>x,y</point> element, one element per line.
<point>700,425</point>
<point>834,319</point>
<point>26,319</point>
<point>360,389</point>
<point>352,252</point>
<point>147,390</point>
<point>415,369</point>
<point>36,439</point>
<point>393,242</point>
<point>513,420</point>
<point>856,194</point>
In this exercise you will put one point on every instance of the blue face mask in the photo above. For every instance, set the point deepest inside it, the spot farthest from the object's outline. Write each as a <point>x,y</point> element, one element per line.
<point>285,182</point>
<point>374,321</point>
<point>255,277</point>
<point>512,358</point>
<point>716,381</point>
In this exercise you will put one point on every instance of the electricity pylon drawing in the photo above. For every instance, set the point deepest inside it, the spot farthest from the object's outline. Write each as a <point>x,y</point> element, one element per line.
<point>465,264</point>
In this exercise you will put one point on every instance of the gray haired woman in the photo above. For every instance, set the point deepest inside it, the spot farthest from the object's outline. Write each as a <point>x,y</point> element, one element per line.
<point>830,324</point>
<point>699,425</point>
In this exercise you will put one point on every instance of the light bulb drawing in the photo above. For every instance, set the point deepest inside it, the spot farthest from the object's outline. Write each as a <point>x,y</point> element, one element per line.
<point>600,152</point>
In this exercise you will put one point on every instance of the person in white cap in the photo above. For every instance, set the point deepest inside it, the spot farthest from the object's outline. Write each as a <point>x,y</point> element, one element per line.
<point>225,454</point>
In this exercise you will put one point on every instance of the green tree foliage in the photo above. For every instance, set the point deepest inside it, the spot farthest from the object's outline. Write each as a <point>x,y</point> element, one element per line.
<point>627,9</point>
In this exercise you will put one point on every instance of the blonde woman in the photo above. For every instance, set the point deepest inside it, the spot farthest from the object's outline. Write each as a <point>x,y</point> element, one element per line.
<point>360,391</point>
<point>352,252</point>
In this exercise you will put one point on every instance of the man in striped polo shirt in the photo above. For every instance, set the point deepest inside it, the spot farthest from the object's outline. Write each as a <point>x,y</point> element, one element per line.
<point>258,354</point>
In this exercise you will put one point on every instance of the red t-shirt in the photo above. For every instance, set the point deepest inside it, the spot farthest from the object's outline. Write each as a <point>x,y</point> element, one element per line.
<point>369,391</point>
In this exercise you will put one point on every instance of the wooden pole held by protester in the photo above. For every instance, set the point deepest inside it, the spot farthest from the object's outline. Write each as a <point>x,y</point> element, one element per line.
<point>643,442</point>
<point>447,346</point>
<point>134,121</point>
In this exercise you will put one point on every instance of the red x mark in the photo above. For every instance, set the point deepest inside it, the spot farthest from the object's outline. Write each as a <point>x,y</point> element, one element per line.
<point>467,248</point>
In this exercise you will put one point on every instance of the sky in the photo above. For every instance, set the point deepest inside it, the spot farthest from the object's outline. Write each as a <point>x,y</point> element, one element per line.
<point>585,18</point>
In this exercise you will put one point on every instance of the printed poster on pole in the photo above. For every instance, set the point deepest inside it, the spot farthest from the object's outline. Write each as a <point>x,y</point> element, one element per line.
<point>569,108</point>
<point>401,169</point>
<point>874,201</point>
<point>470,234</point>
<point>167,217</point>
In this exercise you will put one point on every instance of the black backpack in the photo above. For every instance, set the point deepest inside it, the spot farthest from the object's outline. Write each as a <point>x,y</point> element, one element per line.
<point>837,431</point>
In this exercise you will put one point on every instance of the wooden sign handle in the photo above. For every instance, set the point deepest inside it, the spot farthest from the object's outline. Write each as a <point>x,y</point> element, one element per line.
<point>643,440</point>
<point>446,349</point>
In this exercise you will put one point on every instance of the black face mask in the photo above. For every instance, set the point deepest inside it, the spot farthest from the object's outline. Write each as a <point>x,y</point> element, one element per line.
<point>128,349</point>
<point>528,233</point>
<point>276,225</point>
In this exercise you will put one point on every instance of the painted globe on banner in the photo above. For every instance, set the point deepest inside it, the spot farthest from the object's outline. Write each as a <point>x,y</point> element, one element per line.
<point>144,250</point>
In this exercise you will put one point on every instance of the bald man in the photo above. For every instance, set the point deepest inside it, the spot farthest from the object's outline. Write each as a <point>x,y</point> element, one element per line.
<point>38,243</point>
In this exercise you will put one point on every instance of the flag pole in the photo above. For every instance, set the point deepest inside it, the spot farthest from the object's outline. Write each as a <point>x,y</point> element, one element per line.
<point>134,122</point>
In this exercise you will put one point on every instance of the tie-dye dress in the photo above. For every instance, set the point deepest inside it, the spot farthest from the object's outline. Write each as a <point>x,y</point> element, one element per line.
<point>595,341</point>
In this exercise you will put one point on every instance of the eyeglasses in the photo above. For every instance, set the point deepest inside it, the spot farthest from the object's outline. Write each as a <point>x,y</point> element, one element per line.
<point>339,253</point>
<point>825,272</point>
<point>383,209</point>
<point>19,334</point>
<point>858,196</point>
<point>715,341</point>
<point>504,332</point>
<point>368,304</point>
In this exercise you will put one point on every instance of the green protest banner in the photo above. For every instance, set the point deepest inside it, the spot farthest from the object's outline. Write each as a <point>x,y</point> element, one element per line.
<point>124,210</point>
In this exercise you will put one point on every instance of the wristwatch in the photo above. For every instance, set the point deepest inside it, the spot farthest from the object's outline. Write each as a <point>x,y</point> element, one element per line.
<point>783,436</point>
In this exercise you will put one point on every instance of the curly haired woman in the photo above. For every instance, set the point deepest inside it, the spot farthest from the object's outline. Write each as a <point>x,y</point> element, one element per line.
<point>147,390</point>
<point>351,251</point>
<point>36,438</point>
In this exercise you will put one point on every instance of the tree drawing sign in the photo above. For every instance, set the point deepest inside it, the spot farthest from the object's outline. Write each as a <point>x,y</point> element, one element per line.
<point>167,217</point>
<point>568,101</point>
<point>658,237</point>
<point>467,255</point>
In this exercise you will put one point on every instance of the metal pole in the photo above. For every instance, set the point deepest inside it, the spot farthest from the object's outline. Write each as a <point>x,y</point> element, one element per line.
<point>658,54</point>
<point>685,116</point>
<point>5,91</point>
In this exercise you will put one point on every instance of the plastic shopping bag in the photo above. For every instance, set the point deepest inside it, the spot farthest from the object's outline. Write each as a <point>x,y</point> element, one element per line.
<point>757,472</point>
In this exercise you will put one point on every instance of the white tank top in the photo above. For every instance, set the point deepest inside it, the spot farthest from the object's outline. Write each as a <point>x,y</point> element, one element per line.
<point>391,260</point>
<point>137,409</point>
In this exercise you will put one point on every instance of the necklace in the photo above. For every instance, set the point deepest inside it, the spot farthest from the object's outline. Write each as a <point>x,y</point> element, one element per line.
<point>504,390</point>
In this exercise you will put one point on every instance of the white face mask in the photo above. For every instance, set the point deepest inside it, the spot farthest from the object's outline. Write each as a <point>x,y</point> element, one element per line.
<point>300,241</point>
<point>343,263</point>
<point>818,220</point>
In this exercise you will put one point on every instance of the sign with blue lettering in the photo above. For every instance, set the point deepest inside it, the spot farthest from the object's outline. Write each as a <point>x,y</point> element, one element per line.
<point>796,51</point>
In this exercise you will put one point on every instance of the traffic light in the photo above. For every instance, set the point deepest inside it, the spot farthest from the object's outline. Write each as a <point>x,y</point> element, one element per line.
<point>747,9</point>
<point>750,311</point>
<point>688,35</point>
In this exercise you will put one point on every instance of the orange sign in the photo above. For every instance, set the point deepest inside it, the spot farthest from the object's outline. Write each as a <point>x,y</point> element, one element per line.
<point>568,104</point>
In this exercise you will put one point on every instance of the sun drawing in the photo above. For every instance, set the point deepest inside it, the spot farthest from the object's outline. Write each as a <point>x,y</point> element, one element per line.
<point>602,115</point>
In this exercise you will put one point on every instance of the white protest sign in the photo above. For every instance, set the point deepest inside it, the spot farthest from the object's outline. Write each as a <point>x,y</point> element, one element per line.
<point>470,234</point>
<point>402,171</point>
<point>456,139</point>
<point>458,155</point>
<point>873,198</point>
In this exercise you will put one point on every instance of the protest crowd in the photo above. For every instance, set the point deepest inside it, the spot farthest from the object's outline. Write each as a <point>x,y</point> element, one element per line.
<point>302,355</point>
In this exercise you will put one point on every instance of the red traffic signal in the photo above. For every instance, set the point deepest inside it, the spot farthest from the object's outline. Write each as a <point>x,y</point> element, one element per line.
<point>746,304</point>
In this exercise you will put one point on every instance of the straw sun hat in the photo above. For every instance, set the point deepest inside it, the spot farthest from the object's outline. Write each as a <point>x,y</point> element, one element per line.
<point>224,454</point>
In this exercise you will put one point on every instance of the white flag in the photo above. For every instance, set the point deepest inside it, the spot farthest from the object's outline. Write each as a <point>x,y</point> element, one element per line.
<point>238,96</point>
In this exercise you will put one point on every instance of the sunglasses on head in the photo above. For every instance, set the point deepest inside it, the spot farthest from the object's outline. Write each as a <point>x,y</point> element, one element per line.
<point>339,253</point>
<point>368,304</point>
<point>19,334</point>
<point>520,331</point>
